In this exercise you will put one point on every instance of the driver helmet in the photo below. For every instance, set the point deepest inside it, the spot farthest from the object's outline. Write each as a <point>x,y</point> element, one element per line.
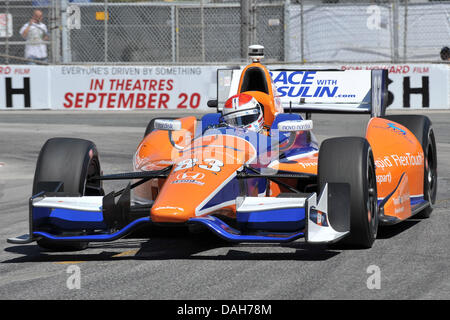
<point>243,111</point>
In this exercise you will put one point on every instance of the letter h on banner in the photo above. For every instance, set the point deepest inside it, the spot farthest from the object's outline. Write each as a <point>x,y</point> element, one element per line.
<point>10,91</point>
<point>424,91</point>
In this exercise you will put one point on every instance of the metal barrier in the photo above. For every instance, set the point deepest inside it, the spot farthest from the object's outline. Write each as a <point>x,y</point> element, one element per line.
<point>219,31</point>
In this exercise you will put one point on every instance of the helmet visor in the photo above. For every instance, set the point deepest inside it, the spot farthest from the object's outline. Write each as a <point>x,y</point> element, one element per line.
<point>242,118</point>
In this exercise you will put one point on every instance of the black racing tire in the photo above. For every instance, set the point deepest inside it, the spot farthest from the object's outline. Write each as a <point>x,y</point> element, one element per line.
<point>73,162</point>
<point>350,160</point>
<point>421,127</point>
<point>151,124</point>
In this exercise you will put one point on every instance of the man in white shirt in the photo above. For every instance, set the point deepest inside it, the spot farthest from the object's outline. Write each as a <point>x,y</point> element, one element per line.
<point>35,32</point>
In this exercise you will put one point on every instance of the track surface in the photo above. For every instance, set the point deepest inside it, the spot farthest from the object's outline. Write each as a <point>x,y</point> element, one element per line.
<point>413,257</point>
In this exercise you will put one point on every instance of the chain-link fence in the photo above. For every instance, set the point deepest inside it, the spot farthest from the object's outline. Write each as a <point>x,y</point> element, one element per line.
<point>13,16</point>
<point>368,31</point>
<point>172,32</point>
<point>214,31</point>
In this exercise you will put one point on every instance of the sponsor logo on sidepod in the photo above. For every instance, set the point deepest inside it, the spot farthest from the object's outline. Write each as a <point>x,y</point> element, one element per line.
<point>396,129</point>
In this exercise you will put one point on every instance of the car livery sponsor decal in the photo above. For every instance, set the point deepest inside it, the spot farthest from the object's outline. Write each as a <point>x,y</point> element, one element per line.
<point>190,177</point>
<point>299,84</point>
<point>213,165</point>
<point>295,125</point>
<point>318,217</point>
<point>402,160</point>
<point>319,85</point>
<point>382,178</point>
<point>396,128</point>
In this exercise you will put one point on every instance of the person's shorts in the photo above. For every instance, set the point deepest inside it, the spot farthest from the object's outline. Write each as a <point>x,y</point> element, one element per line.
<point>36,59</point>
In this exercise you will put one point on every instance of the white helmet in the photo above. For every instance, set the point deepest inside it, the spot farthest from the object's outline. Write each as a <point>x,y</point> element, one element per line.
<point>243,111</point>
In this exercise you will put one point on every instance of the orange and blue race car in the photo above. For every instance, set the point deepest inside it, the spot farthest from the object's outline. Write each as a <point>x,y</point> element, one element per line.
<point>251,172</point>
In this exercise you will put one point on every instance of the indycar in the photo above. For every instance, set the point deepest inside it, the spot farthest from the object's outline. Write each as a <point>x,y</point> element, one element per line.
<point>278,185</point>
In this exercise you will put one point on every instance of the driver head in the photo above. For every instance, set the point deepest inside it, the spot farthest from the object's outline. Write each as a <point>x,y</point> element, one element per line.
<point>243,111</point>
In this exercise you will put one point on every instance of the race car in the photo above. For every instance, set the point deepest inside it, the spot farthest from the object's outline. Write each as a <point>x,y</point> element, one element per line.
<point>252,171</point>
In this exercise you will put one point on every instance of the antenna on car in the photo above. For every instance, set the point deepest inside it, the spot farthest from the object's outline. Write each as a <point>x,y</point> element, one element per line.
<point>256,53</point>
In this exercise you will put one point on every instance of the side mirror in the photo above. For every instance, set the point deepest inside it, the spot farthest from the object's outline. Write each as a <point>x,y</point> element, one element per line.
<point>212,103</point>
<point>167,124</point>
<point>295,125</point>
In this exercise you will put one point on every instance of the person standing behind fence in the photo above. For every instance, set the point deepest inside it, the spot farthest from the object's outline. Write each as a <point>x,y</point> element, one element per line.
<point>445,54</point>
<point>35,33</point>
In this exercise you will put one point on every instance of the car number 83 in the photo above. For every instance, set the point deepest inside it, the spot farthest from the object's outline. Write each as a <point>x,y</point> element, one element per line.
<point>213,165</point>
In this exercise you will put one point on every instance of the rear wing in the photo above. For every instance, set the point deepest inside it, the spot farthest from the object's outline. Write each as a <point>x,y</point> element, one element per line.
<point>318,91</point>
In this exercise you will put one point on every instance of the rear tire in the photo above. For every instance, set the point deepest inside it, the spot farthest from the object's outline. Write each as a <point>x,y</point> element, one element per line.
<point>350,160</point>
<point>421,127</point>
<point>73,162</point>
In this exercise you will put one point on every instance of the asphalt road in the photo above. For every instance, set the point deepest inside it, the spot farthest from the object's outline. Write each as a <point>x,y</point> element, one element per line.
<point>413,258</point>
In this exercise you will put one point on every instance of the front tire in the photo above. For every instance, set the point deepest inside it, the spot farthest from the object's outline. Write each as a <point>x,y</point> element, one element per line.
<point>73,162</point>
<point>350,160</point>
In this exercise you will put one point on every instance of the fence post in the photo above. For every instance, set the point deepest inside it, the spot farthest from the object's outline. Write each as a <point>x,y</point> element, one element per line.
<point>52,31</point>
<point>177,35</point>
<point>302,29</point>
<point>405,32</point>
<point>253,23</point>
<point>202,13</point>
<point>172,32</point>
<point>106,17</point>
<point>395,27</point>
<point>7,39</point>
<point>245,10</point>
<point>56,32</point>
<point>286,34</point>
<point>65,37</point>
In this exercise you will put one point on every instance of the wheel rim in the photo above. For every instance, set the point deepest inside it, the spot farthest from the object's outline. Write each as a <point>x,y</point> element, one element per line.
<point>93,187</point>
<point>372,200</point>
<point>430,174</point>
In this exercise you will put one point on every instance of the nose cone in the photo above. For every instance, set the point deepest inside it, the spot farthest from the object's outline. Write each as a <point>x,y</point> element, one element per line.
<point>187,194</point>
<point>170,214</point>
<point>202,180</point>
<point>182,194</point>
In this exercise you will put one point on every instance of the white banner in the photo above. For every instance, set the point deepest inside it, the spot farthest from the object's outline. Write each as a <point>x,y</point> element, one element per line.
<point>74,87</point>
<point>131,87</point>
<point>410,86</point>
<point>23,86</point>
<point>107,87</point>
<point>414,86</point>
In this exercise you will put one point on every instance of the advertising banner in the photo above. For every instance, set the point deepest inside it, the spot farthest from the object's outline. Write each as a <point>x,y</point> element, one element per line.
<point>414,86</point>
<point>132,87</point>
<point>24,87</point>
<point>410,86</point>
<point>76,87</point>
<point>70,87</point>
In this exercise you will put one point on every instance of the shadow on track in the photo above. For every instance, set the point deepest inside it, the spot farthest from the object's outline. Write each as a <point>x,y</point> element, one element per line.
<point>180,244</point>
<point>191,247</point>
<point>387,232</point>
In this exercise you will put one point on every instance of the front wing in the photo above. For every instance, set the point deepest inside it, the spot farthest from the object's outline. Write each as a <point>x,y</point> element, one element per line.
<point>318,219</point>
